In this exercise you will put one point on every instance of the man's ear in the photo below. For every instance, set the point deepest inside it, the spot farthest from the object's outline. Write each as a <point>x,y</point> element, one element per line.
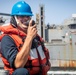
<point>13,21</point>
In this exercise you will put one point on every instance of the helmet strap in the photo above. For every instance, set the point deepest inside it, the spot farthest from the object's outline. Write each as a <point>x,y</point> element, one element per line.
<point>16,20</point>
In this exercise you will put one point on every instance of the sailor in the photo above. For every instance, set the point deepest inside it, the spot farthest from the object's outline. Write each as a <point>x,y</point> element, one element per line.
<point>22,49</point>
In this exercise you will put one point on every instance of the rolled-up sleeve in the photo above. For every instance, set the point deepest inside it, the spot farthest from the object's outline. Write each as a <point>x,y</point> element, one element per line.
<point>9,49</point>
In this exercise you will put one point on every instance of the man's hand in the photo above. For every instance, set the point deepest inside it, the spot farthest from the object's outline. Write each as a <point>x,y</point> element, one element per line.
<point>32,30</point>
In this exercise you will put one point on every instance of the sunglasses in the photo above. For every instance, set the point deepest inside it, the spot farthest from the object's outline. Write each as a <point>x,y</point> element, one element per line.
<point>22,16</point>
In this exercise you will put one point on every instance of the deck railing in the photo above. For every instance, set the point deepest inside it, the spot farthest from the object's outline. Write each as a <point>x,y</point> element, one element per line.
<point>61,73</point>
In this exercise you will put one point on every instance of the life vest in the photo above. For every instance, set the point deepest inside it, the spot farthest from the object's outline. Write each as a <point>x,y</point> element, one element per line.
<point>38,60</point>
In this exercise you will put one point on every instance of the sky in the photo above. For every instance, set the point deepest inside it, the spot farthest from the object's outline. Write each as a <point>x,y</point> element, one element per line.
<point>56,11</point>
